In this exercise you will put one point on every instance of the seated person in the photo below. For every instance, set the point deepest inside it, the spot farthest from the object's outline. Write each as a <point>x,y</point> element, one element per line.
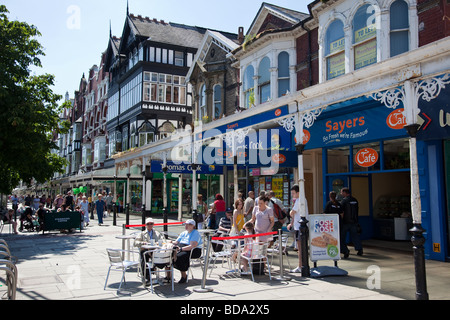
<point>40,214</point>
<point>145,238</point>
<point>187,241</point>
<point>248,242</point>
<point>224,230</point>
<point>8,219</point>
<point>26,220</point>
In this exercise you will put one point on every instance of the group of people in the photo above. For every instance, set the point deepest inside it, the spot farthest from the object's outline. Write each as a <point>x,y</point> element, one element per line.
<point>32,209</point>
<point>347,209</point>
<point>188,245</point>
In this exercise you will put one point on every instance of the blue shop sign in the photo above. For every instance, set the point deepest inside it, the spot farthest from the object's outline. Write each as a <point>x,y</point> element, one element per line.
<point>247,122</point>
<point>172,167</point>
<point>434,117</point>
<point>355,127</point>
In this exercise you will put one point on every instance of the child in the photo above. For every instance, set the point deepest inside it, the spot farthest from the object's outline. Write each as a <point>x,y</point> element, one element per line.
<point>248,243</point>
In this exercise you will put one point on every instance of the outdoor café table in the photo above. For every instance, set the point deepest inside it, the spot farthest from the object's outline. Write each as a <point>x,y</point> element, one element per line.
<point>127,238</point>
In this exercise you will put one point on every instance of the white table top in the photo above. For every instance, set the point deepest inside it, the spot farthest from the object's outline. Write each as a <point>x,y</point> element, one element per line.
<point>124,236</point>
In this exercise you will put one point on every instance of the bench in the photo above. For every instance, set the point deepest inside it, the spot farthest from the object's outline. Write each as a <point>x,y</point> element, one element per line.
<point>61,221</point>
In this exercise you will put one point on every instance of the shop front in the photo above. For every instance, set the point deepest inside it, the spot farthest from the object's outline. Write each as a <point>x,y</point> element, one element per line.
<point>365,147</point>
<point>179,184</point>
<point>434,169</point>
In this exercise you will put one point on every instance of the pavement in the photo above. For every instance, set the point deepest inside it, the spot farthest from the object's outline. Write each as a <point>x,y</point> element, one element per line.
<point>61,266</point>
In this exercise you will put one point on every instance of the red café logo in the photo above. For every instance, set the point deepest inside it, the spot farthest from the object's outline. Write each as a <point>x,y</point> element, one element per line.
<point>279,158</point>
<point>396,120</point>
<point>306,137</point>
<point>278,113</point>
<point>366,158</point>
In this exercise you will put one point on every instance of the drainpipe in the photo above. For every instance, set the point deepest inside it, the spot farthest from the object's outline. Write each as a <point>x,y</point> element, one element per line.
<point>309,53</point>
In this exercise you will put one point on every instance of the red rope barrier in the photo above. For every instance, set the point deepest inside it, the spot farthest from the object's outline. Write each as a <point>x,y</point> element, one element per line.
<point>244,237</point>
<point>156,224</point>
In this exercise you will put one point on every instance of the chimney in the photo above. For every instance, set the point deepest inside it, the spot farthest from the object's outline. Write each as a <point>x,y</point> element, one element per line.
<point>241,35</point>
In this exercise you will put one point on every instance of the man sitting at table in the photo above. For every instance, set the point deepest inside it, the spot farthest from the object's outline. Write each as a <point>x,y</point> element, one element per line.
<point>146,238</point>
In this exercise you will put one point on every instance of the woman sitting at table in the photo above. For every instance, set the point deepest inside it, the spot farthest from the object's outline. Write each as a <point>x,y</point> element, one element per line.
<point>146,238</point>
<point>187,241</point>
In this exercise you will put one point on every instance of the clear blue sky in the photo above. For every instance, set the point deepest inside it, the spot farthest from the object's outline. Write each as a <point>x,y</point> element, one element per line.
<point>75,32</point>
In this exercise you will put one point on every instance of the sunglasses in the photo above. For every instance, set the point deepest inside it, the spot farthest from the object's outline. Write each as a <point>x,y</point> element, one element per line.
<point>150,224</point>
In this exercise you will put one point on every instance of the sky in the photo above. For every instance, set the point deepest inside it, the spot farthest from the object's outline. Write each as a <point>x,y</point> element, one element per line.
<point>76,32</point>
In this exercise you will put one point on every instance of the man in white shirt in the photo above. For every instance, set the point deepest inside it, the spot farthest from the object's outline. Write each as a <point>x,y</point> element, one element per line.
<point>295,222</point>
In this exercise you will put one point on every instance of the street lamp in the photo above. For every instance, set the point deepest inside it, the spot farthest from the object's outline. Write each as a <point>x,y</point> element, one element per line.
<point>418,240</point>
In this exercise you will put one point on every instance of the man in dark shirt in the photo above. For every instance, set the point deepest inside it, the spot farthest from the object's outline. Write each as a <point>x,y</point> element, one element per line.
<point>350,209</point>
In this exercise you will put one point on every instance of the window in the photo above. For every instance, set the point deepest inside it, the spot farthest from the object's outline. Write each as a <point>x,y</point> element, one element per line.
<point>399,35</point>
<point>217,101</point>
<point>249,95</point>
<point>125,145</point>
<point>202,103</point>
<point>264,80</point>
<point>283,74</point>
<point>179,58</point>
<point>99,149</point>
<point>364,37</point>
<point>131,93</point>
<point>146,134</point>
<point>335,49</point>
<point>151,54</point>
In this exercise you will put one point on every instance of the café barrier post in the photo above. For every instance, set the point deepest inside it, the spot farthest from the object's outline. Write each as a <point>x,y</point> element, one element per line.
<point>114,214</point>
<point>281,277</point>
<point>203,288</point>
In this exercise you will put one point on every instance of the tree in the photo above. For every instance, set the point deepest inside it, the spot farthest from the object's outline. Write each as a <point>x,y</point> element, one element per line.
<point>29,111</point>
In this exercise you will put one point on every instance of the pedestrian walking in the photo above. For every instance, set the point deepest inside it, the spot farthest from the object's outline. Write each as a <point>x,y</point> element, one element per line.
<point>84,205</point>
<point>100,206</point>
<point>249,204</point>
<point>350,223</point>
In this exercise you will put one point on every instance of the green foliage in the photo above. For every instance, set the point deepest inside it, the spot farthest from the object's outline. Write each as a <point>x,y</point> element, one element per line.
<point>29,111</point>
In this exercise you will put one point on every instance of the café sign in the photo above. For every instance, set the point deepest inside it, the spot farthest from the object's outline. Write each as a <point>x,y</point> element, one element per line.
<point>366,158</point>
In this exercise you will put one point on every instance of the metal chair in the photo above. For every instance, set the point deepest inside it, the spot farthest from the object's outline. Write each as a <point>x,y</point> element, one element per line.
<point>200,260</point>
<point>11,277</point>
<point>275,249</point>
<point>117,263</point>
<point>258,256</point>
<point>161,259</point>
<point>2,225</point>
<point>226,253</point>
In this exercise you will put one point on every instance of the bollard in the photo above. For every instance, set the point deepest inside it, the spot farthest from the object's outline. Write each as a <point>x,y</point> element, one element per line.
<point>114,215</point>
<point>165,218</point>
<point>203,288</point>
<point>143,216</point>
<point>127,210</point>
<point>306,272</point>
<point>281,277</point>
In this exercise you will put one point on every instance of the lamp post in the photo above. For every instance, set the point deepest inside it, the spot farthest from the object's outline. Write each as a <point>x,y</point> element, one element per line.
<point>418,240</point>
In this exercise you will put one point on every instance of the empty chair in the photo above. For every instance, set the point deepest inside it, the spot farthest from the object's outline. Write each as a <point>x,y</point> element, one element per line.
<point>117,263</point>
<point>275,249</point>
<point>226,253</point>
<point>161,261</point>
